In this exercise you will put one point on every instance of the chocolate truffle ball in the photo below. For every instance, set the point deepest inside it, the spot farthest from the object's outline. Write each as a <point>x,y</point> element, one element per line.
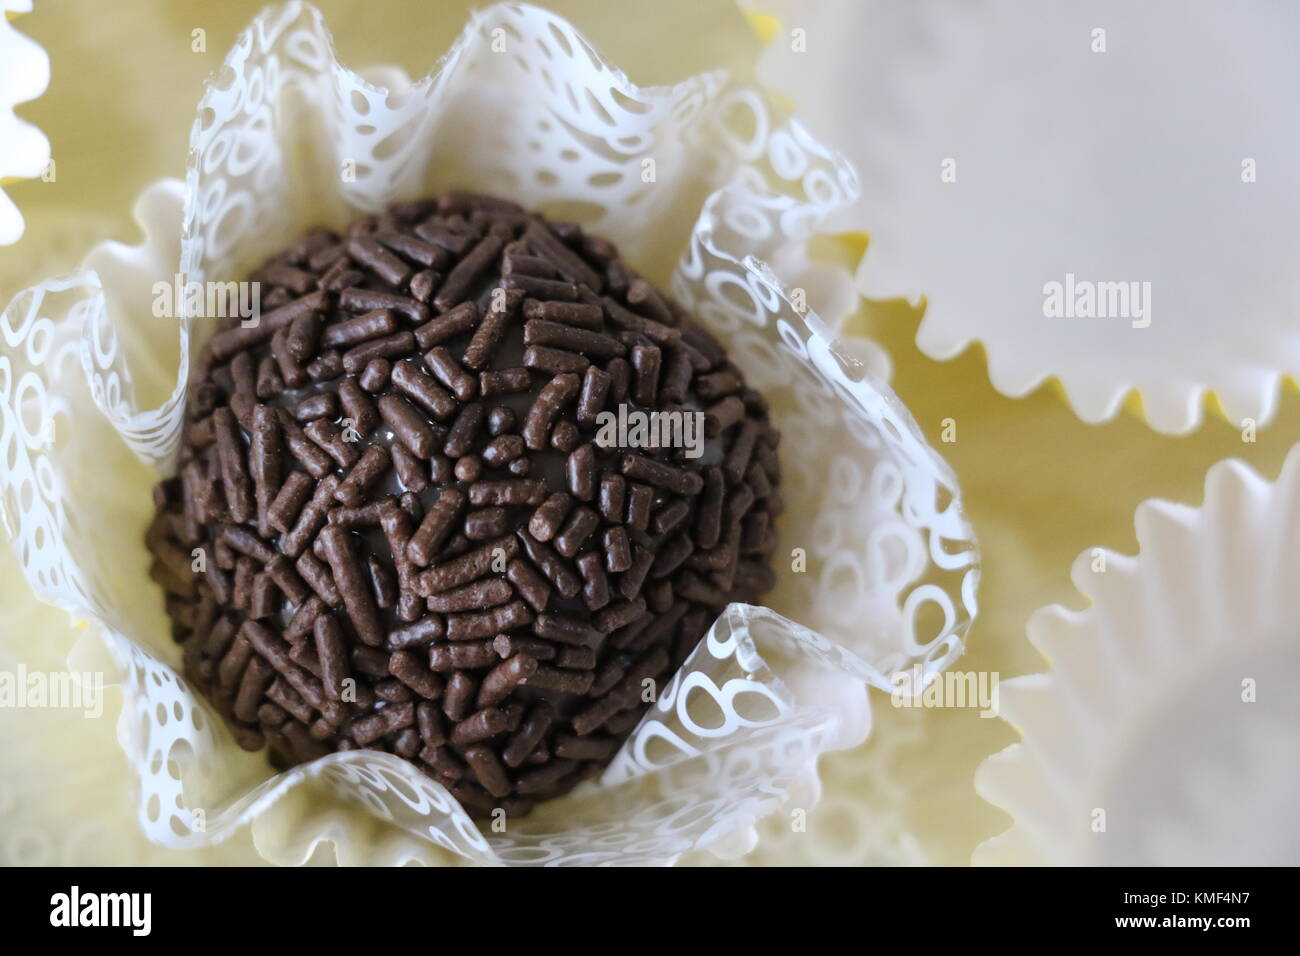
<point>469,492</point>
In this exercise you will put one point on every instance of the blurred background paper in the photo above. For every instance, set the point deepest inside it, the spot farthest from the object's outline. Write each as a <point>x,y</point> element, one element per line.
<point>1164,733</point>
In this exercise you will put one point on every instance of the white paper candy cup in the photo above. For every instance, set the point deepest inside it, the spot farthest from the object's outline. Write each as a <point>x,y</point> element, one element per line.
<point>522,106</point>
<point>997,159</point>
<point>24,150</point>
<point>1165,732</point>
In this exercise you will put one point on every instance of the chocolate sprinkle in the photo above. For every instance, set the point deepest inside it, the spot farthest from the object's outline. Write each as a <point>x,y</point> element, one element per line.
<point>412,539</point>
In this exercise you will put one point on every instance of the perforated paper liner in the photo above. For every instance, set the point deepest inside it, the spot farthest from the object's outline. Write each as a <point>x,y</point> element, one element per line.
<point>520,106</point>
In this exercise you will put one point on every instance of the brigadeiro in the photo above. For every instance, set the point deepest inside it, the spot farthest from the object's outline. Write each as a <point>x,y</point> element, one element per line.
<point>468,492</point>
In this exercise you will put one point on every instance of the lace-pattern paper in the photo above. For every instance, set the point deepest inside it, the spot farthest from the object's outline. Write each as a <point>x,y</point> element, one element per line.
<point>881,569</point>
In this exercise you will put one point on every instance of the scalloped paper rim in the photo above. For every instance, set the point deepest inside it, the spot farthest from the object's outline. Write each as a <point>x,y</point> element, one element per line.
<point>24,149</point>
<point>1169,408</point>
